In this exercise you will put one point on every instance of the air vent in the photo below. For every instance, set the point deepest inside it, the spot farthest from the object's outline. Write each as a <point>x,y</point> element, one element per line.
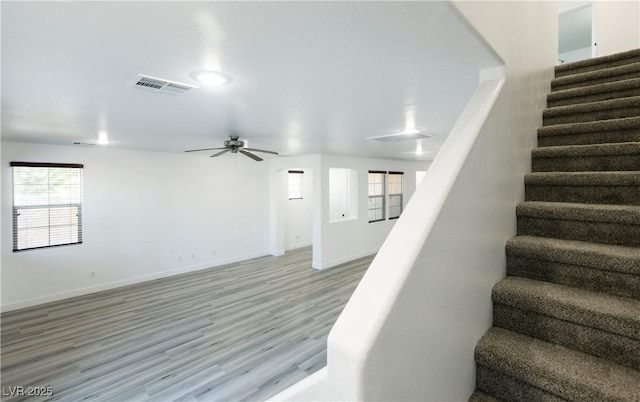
<point>402,136</point>
<point>86,144</point>
<point>160,85</point>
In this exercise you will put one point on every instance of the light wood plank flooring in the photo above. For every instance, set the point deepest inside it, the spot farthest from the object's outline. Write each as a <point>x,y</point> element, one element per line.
<point>243,331</point>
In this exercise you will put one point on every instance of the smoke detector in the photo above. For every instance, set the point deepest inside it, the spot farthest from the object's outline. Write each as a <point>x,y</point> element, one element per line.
<point>160,85</point>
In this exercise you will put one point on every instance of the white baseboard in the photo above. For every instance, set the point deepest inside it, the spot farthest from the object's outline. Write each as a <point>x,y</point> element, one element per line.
<point>342,260</point>
<point>124,282</point>
<point>297,245</point>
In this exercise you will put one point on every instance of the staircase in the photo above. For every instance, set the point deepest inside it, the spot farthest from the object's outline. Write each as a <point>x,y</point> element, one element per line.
<point>566,321</point>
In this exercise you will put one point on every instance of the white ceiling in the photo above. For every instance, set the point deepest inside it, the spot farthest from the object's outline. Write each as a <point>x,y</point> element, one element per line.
<point>308,77</point>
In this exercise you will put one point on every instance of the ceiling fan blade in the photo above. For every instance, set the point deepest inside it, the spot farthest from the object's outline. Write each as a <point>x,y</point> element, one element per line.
<point>219,153</point>
<point>203,149</point>
<point>250,155</point>
<point>261,150</point>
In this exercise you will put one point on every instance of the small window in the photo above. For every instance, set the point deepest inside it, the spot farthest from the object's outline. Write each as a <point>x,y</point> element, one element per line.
<point>47,205</point>
<point>376,195</point>
<point>395,194</point>
<point>295,184</point>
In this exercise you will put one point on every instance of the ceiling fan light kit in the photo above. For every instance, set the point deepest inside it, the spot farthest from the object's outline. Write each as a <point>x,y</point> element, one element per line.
<point>235,145</point>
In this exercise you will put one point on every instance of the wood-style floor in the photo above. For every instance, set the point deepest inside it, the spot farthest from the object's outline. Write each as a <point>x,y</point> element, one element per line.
<point>242,331</point>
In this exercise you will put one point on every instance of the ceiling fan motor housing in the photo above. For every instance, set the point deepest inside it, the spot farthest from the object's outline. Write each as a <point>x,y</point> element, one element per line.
<point>234,143</point>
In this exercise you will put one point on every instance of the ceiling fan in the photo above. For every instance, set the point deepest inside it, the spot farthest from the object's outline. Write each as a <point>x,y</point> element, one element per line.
<point>234,145</point>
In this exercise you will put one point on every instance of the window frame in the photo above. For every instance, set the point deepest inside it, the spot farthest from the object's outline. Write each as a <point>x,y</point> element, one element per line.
<point>289,177</point>
<point>383,209</point>
<point>400,194</point>
<point>48,206</point>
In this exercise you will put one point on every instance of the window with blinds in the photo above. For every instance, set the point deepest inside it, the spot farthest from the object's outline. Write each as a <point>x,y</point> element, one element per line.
<point>47,205</point>
<point>376,196</point>
<point>395,194</point>
<point>295,184</point>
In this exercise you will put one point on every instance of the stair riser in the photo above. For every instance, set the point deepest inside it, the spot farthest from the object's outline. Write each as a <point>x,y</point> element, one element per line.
<point>596,232</point>
<point>611,282</point>
<point>593,98</point>
<point>620,195</point>
<point>600,163</point>
<point>508,388</point>
<point>596,115</point>
<point>560,72</point>
<point>596,342</point>
<point>601,137</point>
<point>558,86</point>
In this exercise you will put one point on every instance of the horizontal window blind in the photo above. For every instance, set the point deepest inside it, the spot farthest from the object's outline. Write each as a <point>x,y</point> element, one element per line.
<point>295,184</point>
<point>395,194</point>
<point>47,204</point>
<point>376,208</point>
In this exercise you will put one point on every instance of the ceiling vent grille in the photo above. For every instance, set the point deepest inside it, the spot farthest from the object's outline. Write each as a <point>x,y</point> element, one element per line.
<point>160,85</point>
<point>402,136</point>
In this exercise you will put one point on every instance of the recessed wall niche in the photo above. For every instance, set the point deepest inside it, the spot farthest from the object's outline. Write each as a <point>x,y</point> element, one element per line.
<point>343,194</point>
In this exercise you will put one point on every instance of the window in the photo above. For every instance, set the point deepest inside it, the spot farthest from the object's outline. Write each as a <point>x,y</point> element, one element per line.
<point>295,184</point>
<point>376,195</point>
<point>395,194</point>
<point>47,205</point>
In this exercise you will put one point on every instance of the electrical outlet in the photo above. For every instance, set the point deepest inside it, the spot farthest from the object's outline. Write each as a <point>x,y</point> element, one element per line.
<point>214,253</point>
<point>92,274</point>
<point>179,258</point>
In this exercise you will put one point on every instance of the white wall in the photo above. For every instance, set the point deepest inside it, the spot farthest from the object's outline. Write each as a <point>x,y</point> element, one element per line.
<point>445,306</point>
<point>146,215</point>
<point>410,329</point>
<point>575,55</point>
<point>348,239</point>
<point>617,24</point>
<point>341,241</point>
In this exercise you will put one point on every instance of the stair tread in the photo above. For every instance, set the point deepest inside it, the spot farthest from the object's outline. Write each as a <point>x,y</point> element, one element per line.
<point>589,107</point>
<point>608,149</point>
<point>594,89</point>
<point>609,257</point>
<point>565,372</point>
<point>618,315</point>
<point>604,178</point>
<point>624,214</point>
<point>480,396</point>
<point>595,74</point>
<point>625,123</point>
<point>594,61</point>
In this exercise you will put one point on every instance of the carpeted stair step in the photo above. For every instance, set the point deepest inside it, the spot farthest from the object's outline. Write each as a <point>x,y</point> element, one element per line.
<point>597,132</point>
<point>510,388</point>
<point>597,267</point>
<point>592,111</point>
<point>582,158</point>
<point>479,396</point>
<point>622,188</point>
<point>593,93</point>
<point>525,368</point>
<point>591,322</point>
<point>609,224</point>
<point>597,76</point>
<point>598,63</point>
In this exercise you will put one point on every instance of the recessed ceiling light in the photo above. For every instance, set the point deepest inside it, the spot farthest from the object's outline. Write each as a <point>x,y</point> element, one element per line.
<point>103,138</point>
<point>213,78</point>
